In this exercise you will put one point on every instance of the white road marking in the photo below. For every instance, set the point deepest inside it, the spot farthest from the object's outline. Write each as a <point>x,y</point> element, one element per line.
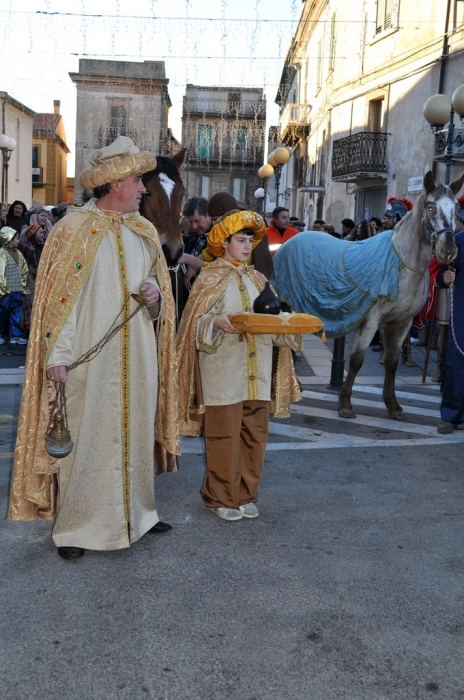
<point>356,401</point>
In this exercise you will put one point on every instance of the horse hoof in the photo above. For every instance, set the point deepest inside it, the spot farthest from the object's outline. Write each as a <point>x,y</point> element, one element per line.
<point>346,413</point>
<point>397,415</point>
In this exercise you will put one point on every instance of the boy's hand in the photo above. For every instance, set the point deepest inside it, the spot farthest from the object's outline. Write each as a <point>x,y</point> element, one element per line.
<point>223,323</point>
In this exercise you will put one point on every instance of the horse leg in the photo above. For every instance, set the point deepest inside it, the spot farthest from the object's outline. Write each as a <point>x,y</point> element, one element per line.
<point>361,343</point>
<point>393,336</point>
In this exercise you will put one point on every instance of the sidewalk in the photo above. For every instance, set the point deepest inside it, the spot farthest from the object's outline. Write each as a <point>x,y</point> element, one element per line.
<point>319,358</point>
<point>316,354</point>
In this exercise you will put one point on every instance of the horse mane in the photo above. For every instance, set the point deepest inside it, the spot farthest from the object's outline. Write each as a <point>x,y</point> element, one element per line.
<point>165,165</point>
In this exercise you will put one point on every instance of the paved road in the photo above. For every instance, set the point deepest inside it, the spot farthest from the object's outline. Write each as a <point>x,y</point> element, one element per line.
<point>348,585</point>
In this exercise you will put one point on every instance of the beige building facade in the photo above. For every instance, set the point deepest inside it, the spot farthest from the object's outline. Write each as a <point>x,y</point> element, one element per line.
<point>17,123</point>
<point>119,98</point>
<point>49,158</point>
<point>351,99</point>
<point>223,129</point>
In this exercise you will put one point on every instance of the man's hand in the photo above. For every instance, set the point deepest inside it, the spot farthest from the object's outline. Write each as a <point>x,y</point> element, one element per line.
<point>58,374</point>
<point>189,275</point>
<point>449,276</point>
<point>223,323</point>
<point>150,294</point>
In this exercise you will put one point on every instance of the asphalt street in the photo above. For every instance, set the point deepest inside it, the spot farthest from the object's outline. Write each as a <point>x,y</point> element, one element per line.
<point>348,585</point>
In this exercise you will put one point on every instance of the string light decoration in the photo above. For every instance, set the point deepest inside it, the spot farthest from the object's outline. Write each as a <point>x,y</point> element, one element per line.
<point>231,48</point>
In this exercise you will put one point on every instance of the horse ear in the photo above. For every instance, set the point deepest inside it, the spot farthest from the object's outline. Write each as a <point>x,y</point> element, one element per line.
<point>457,184</point>
<point>179,158</point>
<point>429,182</point>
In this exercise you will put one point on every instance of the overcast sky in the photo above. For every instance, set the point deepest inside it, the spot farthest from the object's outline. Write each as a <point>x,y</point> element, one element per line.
<point>204,42</point>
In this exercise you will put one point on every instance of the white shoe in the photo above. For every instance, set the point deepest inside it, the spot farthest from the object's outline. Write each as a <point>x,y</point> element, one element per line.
<point>228,513</point>
<point>18,341</point>
<point>249,510</point>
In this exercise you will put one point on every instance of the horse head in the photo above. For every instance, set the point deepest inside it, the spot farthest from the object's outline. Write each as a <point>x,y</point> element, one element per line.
<point>439,206</point>
<point>162,202</point>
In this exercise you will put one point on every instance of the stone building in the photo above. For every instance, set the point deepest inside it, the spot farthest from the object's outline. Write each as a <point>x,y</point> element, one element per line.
<point>119,98</point>
<point>16,122</point>
<point>351,99</point>
<point>49,157</point>
<point>223,129</point>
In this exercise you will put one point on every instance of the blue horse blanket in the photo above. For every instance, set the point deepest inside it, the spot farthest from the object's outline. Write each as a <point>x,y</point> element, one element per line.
<point>338,281</point>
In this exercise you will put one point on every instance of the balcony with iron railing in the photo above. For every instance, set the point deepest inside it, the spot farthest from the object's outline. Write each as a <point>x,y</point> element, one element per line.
<point>103,137</point>
<point>225,108</point>
<point>361,156</point>
<point>226,154</point>
<point>295,121</point>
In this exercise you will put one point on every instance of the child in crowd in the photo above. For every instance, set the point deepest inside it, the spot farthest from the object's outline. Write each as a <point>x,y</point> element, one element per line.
<point>225,380</point>
<point>13,285</point>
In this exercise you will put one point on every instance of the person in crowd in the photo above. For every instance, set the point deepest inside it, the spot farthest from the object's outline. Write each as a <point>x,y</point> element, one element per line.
<point>452,402</point>
<point>195,210</point>
<point>443,301</point>
<point>3,214</point>
<point>348,227</point>
<point>94,261</point>
<point>13,287</point>
<point>32,250</point>
<point>279,230</point>
<point>234,384</point>
<point>330,229</point>
<point>376,225</point>
<point>16,217</point>
<point>60,211</point>
<point>298,225</point>
<point>318,224</point>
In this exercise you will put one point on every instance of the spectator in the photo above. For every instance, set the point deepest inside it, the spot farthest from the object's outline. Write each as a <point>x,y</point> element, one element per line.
<point>279,230</point>
<point>16,217</point>
<point>13,285</point>
<point>318,224</point>
<point>32,250</point>
<point>3,214</point>
<point>348,227</point>
<point>298,225</point>
<point>376,225</point>
<point>330,229</point>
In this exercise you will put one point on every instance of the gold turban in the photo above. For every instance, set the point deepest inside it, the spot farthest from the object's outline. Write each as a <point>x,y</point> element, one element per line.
<point>7,234</point>
<point>117,161</point>
<point>233,223</point>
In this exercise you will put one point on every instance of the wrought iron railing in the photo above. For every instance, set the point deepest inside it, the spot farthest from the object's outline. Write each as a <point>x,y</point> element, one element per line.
<point>229,108</point>
<point>365,152</point>
<point>106,136</point>
<point>295,114</point>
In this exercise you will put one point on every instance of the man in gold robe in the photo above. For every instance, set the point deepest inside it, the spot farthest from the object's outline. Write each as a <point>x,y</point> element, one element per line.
<point>123,399</point>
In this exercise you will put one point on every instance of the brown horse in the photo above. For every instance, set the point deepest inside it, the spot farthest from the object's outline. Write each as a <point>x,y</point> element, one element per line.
<point>161,205</point>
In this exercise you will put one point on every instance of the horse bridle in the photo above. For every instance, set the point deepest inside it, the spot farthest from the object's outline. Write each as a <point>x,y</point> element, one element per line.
<point>434,234</point>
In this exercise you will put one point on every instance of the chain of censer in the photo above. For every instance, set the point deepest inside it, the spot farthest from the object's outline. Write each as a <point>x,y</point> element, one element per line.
<point>60,400</point>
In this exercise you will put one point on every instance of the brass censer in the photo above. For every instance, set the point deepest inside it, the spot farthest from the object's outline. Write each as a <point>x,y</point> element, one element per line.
<point>58,441</point>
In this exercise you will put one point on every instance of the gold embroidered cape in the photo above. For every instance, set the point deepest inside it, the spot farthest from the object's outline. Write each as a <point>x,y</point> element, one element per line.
<point>208,288</point>
<point>65,263</point>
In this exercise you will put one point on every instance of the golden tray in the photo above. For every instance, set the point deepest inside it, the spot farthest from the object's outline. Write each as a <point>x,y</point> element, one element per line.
<point>259,324</point>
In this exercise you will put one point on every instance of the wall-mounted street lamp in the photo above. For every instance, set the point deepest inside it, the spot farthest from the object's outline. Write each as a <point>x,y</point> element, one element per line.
<point>438,111</point>
<point>7,146</point>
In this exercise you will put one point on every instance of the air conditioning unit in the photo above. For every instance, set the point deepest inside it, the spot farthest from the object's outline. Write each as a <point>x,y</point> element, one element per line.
<point>458,142</point>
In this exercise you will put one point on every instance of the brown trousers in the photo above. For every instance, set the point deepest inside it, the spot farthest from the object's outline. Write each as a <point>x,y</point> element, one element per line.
<point>235,441</point>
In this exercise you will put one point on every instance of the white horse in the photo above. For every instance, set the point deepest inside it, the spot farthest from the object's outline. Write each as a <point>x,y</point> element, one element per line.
<point>427,229</point>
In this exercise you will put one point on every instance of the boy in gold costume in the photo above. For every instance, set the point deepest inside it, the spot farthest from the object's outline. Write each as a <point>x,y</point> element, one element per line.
<point>225,380</point>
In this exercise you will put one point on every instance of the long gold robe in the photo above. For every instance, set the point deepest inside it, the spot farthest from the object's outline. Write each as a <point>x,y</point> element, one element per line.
<point>91,262</point>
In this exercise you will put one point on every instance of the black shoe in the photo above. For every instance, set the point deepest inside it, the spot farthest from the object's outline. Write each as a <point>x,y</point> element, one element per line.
<point>71,552</point>
<point>376,348</point>
<point>160,527</point>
